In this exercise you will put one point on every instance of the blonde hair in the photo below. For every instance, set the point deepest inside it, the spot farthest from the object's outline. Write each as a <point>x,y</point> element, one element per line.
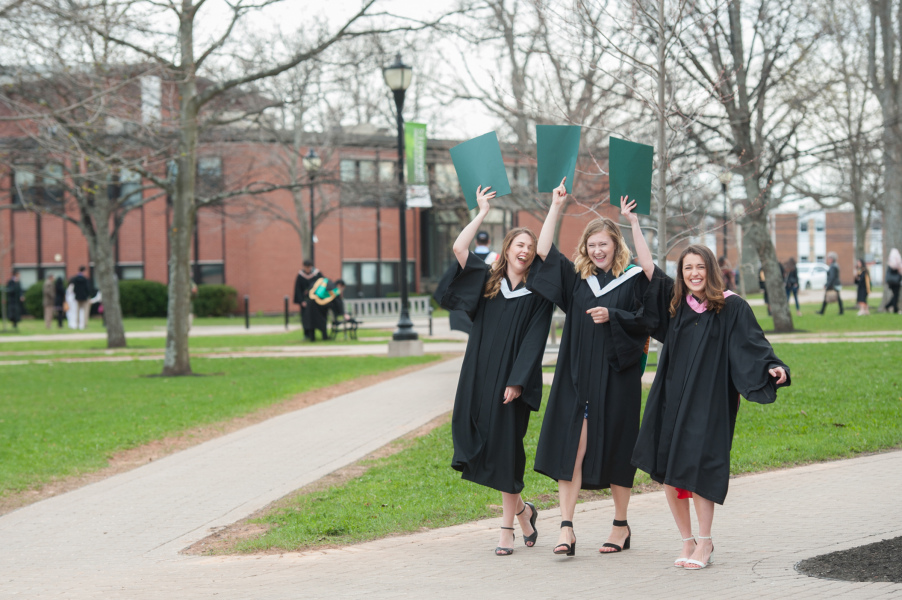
<point>499,267</point>
<point>714,286</point>
<point>581,261</point>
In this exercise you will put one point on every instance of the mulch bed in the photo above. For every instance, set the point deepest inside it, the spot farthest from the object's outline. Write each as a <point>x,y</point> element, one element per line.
<point>881,561</point>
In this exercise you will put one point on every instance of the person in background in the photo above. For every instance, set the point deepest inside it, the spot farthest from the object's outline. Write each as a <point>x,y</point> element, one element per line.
<point>59,301</point>
<point>893,279</point>
<point>48,298</point>
<point>482,249</point>
<point>15,300</point>
<point>792,283</point>
<point>727,272</point>
<point>81,287</point>
<point>306,276</point>
<point>832,284</point>
<point>863,281</point>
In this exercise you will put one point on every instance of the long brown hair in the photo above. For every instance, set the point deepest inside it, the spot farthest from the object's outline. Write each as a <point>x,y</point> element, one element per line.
<point>581,261</point>
<point>499,267</point>
<point>714,286</point>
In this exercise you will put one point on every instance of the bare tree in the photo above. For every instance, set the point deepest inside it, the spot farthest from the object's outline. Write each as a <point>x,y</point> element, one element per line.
<point>747,59</point>
<point>169,35</point>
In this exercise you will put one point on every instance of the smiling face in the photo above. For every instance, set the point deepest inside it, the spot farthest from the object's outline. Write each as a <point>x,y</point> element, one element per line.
<point>695,275</point>
<point>601,249</point>
<point>520,254</point>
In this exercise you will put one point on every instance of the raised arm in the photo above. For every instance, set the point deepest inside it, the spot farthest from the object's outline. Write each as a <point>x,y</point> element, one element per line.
<point>642,252</point>
<point>546,237</point>
<point>462,243</point>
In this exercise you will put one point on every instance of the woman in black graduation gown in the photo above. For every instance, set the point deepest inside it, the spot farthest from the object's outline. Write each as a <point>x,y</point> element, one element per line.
<point>713,350</point>
<point>592,417</point>
<point>501,378</point>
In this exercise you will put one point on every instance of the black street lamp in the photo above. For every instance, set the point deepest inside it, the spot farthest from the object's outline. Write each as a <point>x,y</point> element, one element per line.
<point>725,178</point>
<point>397,77</point>
<point>312,163</point>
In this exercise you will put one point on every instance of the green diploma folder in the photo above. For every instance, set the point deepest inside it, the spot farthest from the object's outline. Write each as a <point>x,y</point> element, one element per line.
<point>557,147</point>
<point>478,162</point>
<point>630,166</point>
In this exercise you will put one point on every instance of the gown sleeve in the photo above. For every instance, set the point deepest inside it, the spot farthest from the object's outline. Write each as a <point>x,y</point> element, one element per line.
<point>655,311</point>
<point>462,288</point>
<point>554,279</point>
<point>529,355</point>
<point>751,356</point>
<point>627,329</point>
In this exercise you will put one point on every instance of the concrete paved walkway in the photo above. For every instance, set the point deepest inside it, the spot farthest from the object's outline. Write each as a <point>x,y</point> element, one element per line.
<point>121,537</point>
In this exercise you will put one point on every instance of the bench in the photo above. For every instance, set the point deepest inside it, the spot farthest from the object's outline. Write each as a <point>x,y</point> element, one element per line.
<point>375,309</point>
<point>346,326</point>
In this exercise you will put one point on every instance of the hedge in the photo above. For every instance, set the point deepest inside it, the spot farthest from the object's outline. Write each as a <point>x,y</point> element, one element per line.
<point>34,300</point>
<point>215,300</point>
<point>141,298</point>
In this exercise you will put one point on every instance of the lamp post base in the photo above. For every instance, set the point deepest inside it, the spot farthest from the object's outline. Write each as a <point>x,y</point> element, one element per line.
<point>398,348</point>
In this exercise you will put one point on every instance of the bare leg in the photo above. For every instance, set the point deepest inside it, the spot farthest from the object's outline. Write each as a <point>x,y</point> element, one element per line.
<point>568,491</point>
<point>509,507</point>
<point>704,511</point>
<point>524,516</point>
<point>618,535</point>
<point>680,510</point>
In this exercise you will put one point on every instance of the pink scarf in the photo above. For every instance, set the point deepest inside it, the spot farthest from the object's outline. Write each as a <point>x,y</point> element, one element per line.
<point>701,307</point>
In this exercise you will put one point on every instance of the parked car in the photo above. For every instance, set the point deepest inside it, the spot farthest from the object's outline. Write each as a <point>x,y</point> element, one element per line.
<point>812,275</point>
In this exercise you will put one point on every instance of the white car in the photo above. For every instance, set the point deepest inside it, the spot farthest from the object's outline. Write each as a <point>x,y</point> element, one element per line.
<point>812,275</point>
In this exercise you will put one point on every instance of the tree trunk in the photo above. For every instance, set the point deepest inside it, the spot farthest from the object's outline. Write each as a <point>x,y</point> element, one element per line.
<point>892,199</point>
<point>105,270</point>
<point>757,232</point>
<point>662,140</point>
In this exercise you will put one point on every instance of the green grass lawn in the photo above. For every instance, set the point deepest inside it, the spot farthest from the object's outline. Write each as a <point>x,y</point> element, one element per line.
<point>826,414</point>
<point>65,419</point>
<point>831,322</point>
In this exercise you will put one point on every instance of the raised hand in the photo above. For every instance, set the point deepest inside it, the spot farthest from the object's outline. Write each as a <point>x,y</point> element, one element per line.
<point>559,193</point>
<point>483,196</point>
<point>626,209</point>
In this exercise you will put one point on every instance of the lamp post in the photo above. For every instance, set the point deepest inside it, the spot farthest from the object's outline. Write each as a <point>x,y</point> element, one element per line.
<point>397,77</point>
<point>312,163</point>
<point>725,178</point>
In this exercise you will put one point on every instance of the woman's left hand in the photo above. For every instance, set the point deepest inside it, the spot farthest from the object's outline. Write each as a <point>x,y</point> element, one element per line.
<point>599,314</point>
<point>511,393</point>
<point>778,372</point>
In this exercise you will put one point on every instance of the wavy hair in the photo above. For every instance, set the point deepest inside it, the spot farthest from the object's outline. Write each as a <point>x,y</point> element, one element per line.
<point>499,267</point>
<point>583,264</point>
<point>714,286</point>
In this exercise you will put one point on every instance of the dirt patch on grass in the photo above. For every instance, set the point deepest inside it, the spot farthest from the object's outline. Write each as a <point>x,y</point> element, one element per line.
<point>127,460</point>
<point>224,540</point>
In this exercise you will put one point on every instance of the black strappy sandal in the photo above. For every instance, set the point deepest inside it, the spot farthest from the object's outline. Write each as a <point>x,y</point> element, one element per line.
<point>530,540</point>
<point>568,549</point>
<point>626,542</point>
<point>499,551</point>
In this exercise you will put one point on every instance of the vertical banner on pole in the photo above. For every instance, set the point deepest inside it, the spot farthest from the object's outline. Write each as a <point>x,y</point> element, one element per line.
<point>417,174</point>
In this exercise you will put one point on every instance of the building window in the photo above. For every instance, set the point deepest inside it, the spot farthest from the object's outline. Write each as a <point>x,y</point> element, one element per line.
<point>348,170</point>
<point>52,179</point>
<point>803,225</point>
<point>367,171</point>
<point>210,272</point>
<point>209,175</point>
<point>23,185</point>
<point>37,185</point>
<point>129,271</point>
<point>130,188</point>
<point>446,179</point>
<point>387,171</point>
<point>363,279</point>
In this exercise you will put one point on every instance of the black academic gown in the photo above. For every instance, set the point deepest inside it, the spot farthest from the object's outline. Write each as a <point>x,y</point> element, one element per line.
<point>302,285</point>
<point>505,348</point>
<point>599,365</point>
<point>707,360</point>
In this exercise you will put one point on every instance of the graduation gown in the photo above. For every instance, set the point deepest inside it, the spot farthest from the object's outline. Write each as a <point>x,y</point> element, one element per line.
<point>505,348</point>
<point>707,360</point>
<point>599,368</point>
<point>302,284</point>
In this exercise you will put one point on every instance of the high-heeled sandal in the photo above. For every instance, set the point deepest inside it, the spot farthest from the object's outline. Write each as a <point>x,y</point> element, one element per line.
<point>697,564</point>
<point>499,551</point>
<point>680,561</point>
<point>530,540</point>
<point>626,542</point>
<point>568,549</point>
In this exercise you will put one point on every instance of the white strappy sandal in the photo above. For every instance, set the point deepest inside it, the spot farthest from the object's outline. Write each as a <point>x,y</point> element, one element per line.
<point>680,562</point>
<point>695,565</point>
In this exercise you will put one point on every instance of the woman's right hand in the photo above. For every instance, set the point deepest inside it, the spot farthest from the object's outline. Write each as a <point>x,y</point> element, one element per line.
<point>483,196</point>
<point>559,194</point>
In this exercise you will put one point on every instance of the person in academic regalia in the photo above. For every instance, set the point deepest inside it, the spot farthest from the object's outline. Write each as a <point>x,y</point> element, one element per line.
<point>863,283</point>
<point>713,351</point>
<point>320,296</point>
<point>15,300</point>
<point>306,276</point>
<point>501,377</point>
<point>592,417</point>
